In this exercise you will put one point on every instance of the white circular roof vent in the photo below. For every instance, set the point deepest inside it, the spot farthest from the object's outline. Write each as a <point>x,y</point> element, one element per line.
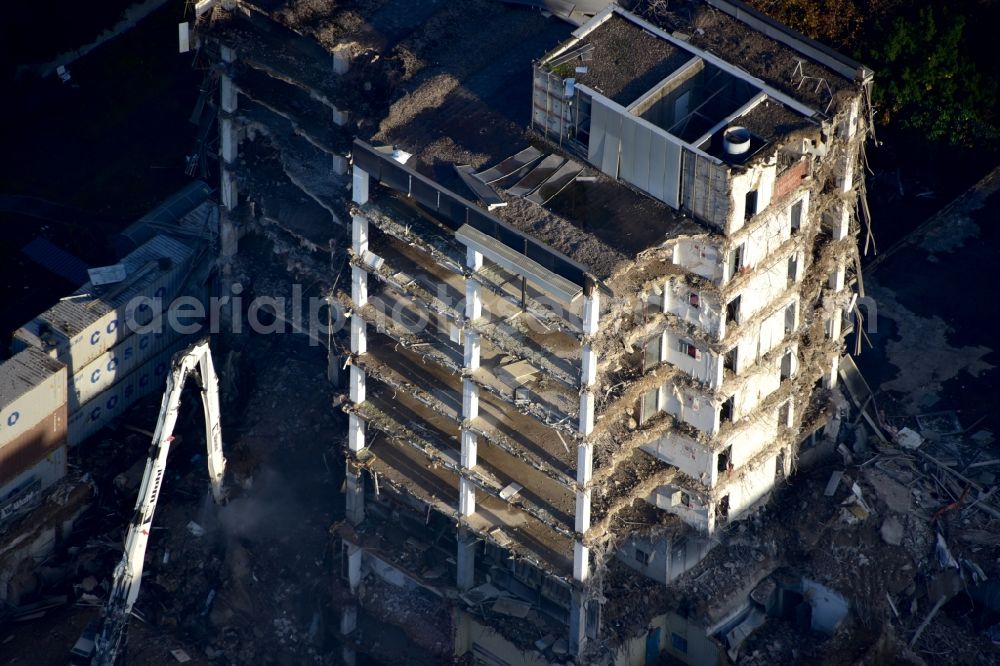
<point>736,140</point>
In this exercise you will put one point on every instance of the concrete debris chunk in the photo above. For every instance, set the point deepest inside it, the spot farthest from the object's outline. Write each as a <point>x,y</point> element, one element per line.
<point>831,485</point>
<point>181,656</point>
<point>892,531</point>
<point>909,439</point>
<point>944,556</point>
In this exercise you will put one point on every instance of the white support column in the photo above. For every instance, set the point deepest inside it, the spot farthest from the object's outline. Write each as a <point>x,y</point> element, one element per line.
<point>589,366</point>
<point>470,399</point>
<point>349,610</point>
<point>359,286</point>
<point>228,190</point>
<point>473,259</point>
<point>359,187</point>
<point>228,140</point>
<point>473,300</point>
<point>591,311</point>
<point>359,339</point>
<point>466,497</point>
<point>354,555</point>
<point>354,494</point>
<point>228,100</point>
<point>228,94</point>
<point>473,346</point>
<point>830,379</point>
<point>587,401</point>
<point>837,277</point>
<point>470,450</point>
<point>584,468</point>
<point>359,231</point>
<point>355,433</point>
<point>358,384</point>
<point>841,222</point>
<point>341,59</point>
<point>359,335</point>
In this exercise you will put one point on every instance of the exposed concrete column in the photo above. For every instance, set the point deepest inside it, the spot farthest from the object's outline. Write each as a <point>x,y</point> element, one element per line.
<point>358,384</point>
<point>359,234</point>
<point>359,185</point>
<point>837,277</point>
<point>830,379</point>
<point>353,554</point>
<point>587,402</point>
<point>841,222</point>
<point>229,234</point>
<point>228,138</point>
<point>355,433</point>
<point>470,398</point>
<point>359,336</point>
<point>473,300</point>
<point>348,625</point>
<point>466,562</point>
<point>473,346</point>
<point>584,467</point>
<point>359,286</point>
<point>341,59</point>
<point>845,175</point>
<point>228,94</point>
<point>588,363</point>
<point>466,496</point>
<point>354,494</point>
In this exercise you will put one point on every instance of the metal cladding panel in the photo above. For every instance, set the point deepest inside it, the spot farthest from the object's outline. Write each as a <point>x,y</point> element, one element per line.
<point>33,445</point>
<point>650,160</point>
<point>634,166</point>
<point>101,410</point>
<point>118,362</point>
<point>605,136</point>
<point>32,387</point>
<point>657,165</point>
<point>21,492</point>
<point>84,328</point>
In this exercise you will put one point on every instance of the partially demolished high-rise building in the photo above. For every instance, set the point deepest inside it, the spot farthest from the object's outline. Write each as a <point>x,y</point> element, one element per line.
<point>597,289</point>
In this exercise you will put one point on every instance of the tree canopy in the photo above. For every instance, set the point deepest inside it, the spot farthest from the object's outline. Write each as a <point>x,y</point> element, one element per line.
<point>934,74</point>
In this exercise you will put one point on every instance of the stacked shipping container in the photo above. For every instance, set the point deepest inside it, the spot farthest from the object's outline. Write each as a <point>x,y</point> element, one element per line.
<point>33,428</point>
<point>80,328</point>
<point>116,342</point>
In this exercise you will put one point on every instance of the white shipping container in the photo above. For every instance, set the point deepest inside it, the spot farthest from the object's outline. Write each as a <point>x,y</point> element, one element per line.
<point>118,362</point>
<point>99,412</point>
<point>32,386</point>
<point>25,491</point>
<point>78,330</point>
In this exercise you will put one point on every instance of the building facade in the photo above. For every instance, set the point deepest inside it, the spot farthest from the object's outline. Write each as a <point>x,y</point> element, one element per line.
<point>589,340</point>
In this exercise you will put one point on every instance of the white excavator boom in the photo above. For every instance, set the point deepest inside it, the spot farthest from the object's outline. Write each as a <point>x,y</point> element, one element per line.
<point>128,573</point>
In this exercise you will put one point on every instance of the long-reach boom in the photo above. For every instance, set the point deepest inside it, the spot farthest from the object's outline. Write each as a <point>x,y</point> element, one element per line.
<point>128,573</point>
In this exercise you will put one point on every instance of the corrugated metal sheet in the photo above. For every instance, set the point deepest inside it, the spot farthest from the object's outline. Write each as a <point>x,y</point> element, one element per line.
<point>79,330</point>
<point>56,260</point>
<point>99,412</point>
<point>33,444</point>
<point>117,363</point>
<point>32,387</point>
